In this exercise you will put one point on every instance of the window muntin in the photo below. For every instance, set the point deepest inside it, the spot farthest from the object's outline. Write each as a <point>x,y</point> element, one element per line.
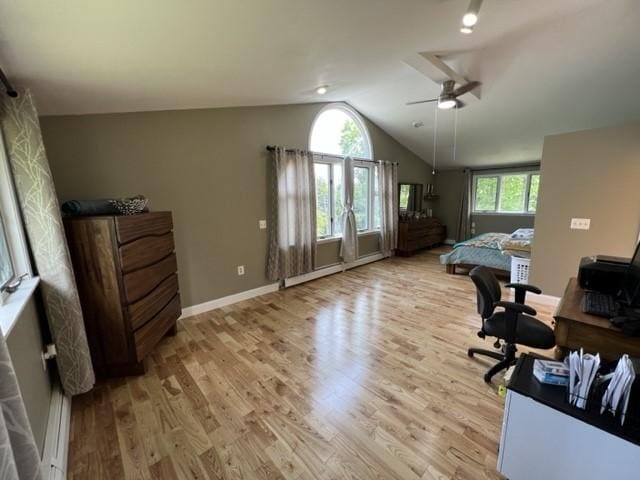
<point>507,193</point>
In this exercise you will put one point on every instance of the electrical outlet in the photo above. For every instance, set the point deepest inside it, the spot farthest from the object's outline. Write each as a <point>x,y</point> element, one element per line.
<point>262,224</point>
<point>240,269</point>
<point>580,223</point>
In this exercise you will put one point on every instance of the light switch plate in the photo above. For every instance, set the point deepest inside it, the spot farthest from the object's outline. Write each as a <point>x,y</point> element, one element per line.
<point>240,269</point>
<point>262,224</point>
<point>580,223</point>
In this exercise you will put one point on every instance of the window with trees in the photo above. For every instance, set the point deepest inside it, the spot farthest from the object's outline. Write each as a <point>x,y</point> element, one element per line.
<point>506,193</point>
<point>338,131</point>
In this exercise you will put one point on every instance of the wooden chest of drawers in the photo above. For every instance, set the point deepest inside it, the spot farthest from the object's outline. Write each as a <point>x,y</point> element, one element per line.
<point>125,268</point>
<point>416,234</point>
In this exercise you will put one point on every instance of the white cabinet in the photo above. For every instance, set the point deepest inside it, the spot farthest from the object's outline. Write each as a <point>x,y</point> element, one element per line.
<point>541,443</point>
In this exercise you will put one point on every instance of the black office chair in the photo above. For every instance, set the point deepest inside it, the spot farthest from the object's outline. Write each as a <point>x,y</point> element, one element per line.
<point>514,325</point>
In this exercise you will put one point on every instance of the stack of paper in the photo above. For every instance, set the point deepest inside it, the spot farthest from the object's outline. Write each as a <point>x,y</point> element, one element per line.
<point>616,398</point>
<point>582,371</point>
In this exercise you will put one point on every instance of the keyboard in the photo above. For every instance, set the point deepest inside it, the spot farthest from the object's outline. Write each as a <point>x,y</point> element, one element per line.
<point>600,304</point>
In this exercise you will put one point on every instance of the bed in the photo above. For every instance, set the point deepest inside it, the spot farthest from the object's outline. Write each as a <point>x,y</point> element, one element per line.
<point>493,250</point>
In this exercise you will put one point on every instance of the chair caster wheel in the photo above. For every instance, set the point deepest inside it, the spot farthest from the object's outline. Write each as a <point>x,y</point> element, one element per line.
<point>487,379</point>
<point>470,353</point>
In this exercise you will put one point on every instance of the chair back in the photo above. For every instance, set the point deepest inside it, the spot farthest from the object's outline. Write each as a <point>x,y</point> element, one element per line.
<point>488,289</point>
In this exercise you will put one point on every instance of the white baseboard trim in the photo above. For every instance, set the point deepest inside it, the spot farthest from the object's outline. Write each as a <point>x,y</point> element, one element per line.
<point>228,300</point>
<point>449,241</point>
<point>56,443</point>
<point>273,287</point>
<point>330,270</point>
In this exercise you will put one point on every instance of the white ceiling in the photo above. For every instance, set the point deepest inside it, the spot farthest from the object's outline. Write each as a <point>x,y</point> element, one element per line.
<point>547,66</point>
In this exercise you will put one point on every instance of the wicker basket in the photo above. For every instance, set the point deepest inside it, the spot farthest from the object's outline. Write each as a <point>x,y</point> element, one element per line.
<point>520,269</point>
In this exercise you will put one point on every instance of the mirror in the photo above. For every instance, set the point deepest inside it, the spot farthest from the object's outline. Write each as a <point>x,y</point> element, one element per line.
<point>410,197</point>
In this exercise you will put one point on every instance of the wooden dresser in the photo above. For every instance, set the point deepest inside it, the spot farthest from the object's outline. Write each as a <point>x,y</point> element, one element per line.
<point>418,233</point>
<point>125,268</point>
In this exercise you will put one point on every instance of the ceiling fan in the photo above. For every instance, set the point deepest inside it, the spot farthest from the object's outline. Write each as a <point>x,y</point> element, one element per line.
<point>448,97</point>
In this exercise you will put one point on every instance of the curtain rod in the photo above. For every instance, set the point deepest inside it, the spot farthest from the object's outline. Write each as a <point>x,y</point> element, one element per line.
<point>272,148</point>
<point>9,90</point>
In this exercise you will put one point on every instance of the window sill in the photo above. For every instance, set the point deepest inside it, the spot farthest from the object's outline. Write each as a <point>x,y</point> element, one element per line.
<point>14,305</point>
<point>505,214</point>
<point>364,233</point>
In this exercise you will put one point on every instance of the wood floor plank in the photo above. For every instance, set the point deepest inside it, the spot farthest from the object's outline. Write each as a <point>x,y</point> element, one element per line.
<point>360,375</point>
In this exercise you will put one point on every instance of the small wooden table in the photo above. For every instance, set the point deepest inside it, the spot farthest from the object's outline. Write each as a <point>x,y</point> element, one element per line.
<point>575,329</point>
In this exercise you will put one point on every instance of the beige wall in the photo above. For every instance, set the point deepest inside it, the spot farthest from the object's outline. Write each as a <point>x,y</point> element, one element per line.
<point>25,342</point>
<point>209,167</point>
<point>589,174</point>
<point>449,187</point>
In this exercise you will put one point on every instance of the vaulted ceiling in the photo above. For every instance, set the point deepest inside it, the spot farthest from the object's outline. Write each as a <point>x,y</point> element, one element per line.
<point>547,66</point>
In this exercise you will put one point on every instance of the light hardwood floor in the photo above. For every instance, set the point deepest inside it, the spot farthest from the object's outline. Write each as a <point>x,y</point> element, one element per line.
<point>359,375</point>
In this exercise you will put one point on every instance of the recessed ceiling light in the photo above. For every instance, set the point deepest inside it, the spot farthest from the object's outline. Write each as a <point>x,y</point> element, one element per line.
<point>418,124</point>
<point>466,30</point>
<point>322,90</point>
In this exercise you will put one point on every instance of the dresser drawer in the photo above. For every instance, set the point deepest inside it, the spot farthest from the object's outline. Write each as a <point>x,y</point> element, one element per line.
<point>141,282</point>
<point>150,334</point>
<point>144,309</point>
<point>132,227</point>
<point>145,251</point>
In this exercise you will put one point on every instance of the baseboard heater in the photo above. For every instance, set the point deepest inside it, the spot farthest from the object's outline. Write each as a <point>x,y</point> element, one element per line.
<point>56,443</point>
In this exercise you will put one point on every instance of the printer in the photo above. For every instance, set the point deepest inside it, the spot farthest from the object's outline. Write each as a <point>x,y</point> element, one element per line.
<point>602,273</point>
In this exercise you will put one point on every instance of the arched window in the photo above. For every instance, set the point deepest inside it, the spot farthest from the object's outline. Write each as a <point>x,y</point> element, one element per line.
<point>339,130</point>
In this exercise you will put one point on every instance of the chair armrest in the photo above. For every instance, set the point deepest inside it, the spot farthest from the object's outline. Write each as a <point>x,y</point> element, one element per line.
<point>525,287</point>
<point>517,307</point>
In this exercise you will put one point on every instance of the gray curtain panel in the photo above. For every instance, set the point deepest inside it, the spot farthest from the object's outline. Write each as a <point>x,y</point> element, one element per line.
<point>292,244</point>
<point>41,214</point>
<point>19,457</point>
<point>464,211</point>
<point>349,244</point>
<point>388,188</point>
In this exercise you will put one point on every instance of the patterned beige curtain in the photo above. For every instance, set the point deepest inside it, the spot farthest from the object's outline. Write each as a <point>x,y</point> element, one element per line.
<point>464,210</point>
<point>19,458</point>
<point>349,245</point>
<point>292,244</point>
<point>388,188</point>
<point>41,214</point>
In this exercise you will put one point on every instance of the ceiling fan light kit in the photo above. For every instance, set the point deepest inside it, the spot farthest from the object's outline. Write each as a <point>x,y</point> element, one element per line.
<point>447,102</point>
<point>448,97</point>
<point>470,18</point>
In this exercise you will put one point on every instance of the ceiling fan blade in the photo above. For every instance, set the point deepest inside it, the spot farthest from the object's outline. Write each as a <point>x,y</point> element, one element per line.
<point>467,87</point>
<point>422,101</point>
<point>460,103</point>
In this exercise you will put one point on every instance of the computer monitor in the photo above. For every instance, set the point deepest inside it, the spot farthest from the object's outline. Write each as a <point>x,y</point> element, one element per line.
<point>631,285</point>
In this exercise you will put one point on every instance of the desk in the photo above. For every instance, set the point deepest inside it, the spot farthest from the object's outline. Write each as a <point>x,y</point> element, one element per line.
<point>545,438</point>
<point>575,329</point>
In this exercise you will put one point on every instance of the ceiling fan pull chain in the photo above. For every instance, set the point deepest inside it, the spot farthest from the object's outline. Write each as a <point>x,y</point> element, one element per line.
<point>435,138</point>
<point>455,133</point>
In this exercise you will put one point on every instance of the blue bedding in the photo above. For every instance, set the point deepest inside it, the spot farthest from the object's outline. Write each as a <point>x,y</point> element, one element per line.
<point>481,250</point>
